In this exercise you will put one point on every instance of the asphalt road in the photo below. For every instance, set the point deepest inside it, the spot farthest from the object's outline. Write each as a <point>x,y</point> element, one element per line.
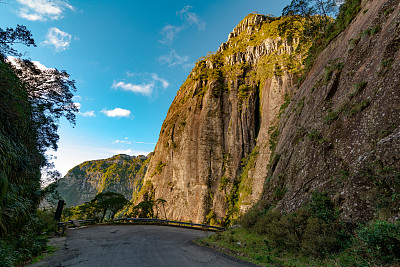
<point>135,245</point>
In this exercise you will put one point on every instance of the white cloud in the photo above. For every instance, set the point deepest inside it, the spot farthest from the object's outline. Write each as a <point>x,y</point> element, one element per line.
<point>43,10</point>
<point>173,59</point>
<point>77,97</point>
<point>130,152</point>
<point>164,82</point>
<point>146,88</point>
<point>169,32</point>
<point>189,18</point>
<point>88,114</point>
<point>127,142</point>
<point>78,105</point>
<point>58,39</point>
<point>117,112</point>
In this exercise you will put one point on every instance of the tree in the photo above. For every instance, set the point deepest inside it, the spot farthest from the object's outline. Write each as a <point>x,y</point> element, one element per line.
<point>50,93</point>
<point>314,15</point>
<point>144,209</point>
<point>109,201</point>
<point>32,100</point>
<point>10,36</point>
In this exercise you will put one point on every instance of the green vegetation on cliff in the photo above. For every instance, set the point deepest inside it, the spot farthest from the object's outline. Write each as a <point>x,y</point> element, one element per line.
<point>280,52</point>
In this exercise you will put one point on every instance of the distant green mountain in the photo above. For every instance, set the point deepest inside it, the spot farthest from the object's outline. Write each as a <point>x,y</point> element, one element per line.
<point>121,174</point>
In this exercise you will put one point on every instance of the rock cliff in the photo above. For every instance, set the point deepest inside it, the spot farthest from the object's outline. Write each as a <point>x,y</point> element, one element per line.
<point>240,130</point>
<point>225,107</point>
<point>121,174</point>
<point>341,132</point>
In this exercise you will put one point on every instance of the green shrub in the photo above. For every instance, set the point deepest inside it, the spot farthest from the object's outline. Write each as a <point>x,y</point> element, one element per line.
<point>366,32</point>
<point>322,207</point>
<point>347,12</point>
<point>358,88</point>
<point>376,29</point>
<point>331,116</point>
<point>319,238</point>
<point>314,135</point>
<point>388,11</point>
<point>273,131</point>
<point>335,65</point>
<point>46,219</point>
<point>353,43</point>
<point>223,183</point>
<point>243,93</point>
<point>159,167</point>
<point>313,229</point>
<point>380,240</point>
<point>387,63</point>
<point>283,107</point>
<point>252,216</point>
<point>356,108</point>
<point>24,245</point>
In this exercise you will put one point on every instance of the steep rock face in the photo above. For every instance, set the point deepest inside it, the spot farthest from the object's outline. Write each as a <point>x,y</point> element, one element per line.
<point>341,132</point>
<point>120,174</point>
<point>214,121</point>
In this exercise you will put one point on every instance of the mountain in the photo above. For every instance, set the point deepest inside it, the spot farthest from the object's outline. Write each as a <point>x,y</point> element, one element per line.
<point>219,121</point>
<point>121,174</point>
<point>240,129</point>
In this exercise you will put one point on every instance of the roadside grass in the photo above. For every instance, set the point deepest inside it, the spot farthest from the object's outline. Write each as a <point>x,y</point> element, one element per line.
<point>49,250</point>
<point>313,235</point>
<point>253,247</point>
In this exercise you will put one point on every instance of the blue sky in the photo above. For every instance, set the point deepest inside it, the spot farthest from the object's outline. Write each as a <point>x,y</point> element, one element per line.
<point>128,59</point>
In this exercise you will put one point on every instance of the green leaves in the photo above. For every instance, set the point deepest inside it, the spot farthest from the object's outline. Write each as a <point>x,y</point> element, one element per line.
<point>380,239</point>
<point>10,36</point>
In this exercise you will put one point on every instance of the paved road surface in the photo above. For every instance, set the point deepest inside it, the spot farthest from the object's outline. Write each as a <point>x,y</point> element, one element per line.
<point>136,245</point>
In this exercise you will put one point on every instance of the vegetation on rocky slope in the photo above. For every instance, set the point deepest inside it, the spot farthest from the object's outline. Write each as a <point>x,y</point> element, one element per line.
<point>313,235</point>
<point>331,193</point>
<point>226,88</point>
<point>121,174</point>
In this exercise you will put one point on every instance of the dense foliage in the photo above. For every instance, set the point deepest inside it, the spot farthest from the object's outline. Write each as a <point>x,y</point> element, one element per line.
<point>313,235</point>
<point>110,203</point>
<point>11,36</point>
<point>32,101</point>
<point>103,204</point>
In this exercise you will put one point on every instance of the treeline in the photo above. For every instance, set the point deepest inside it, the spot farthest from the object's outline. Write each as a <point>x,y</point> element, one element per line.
<point>106,205</point>
<point>32,100</point>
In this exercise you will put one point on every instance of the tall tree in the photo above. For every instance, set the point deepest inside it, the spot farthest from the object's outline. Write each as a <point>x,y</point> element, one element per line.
<point>10,36</point>
<point>50,92</point>
<point>110,201</point>
<point>314,15</point>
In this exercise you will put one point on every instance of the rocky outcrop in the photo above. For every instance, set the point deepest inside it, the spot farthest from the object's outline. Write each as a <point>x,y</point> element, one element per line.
<point>340,133</point>
<point>218,116</point>
<point>120,174</point>
<point>239,130</point>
